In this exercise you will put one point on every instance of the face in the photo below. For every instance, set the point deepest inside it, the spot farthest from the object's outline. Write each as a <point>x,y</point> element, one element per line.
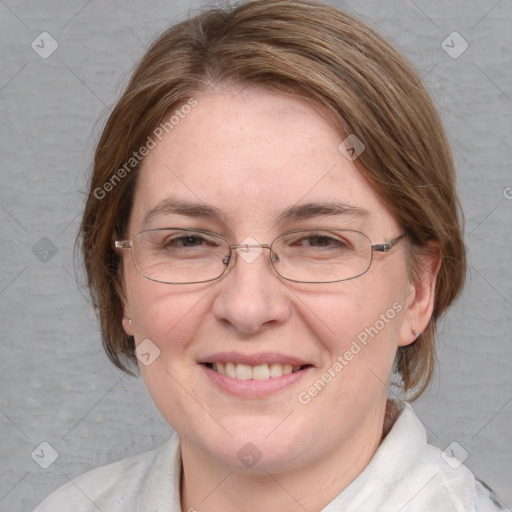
<point>248,156</point>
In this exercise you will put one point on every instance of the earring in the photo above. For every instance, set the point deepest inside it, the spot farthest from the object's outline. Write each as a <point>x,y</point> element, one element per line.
<point>129,320</point>
<point>415,332</point>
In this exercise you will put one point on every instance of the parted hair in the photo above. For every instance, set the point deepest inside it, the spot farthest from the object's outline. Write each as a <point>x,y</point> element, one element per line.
<point>305,48</point>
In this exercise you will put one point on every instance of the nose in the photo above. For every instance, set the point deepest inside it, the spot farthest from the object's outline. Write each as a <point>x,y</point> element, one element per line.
<point>251,297</point>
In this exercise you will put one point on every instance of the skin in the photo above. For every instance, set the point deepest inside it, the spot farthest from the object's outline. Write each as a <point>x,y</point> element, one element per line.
<point>251,154</point>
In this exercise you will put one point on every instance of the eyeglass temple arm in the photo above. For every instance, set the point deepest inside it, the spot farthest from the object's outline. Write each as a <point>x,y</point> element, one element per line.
<point>389,245</point>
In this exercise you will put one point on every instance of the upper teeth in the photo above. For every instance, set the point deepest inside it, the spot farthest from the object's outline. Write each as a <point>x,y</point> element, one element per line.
<point>258,372</point>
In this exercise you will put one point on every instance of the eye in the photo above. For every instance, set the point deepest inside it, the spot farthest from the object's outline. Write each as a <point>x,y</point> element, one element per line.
<point>320,241</point>
<point>179,240</point>
<point>185,241</point>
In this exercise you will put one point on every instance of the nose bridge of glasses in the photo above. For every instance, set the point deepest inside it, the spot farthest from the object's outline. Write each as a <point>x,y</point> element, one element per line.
<point>249,246</point>
<point>249,252</point>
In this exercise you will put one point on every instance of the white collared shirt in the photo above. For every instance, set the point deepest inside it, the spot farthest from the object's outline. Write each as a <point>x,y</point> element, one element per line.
<point>405,474</point>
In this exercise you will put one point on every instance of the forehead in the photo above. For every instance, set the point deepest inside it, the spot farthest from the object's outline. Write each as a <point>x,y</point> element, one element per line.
<point>252,154</point>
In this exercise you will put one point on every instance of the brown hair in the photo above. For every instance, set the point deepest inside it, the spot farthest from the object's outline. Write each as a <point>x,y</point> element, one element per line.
<point>322,54</point>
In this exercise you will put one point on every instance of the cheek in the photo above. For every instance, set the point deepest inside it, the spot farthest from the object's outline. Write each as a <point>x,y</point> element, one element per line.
<point>355,377</point>
<point>359,326</point>
<point>171,319</point>
<point>167,316</point>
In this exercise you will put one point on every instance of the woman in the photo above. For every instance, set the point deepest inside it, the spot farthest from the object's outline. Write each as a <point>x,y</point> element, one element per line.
<point>271,233</point>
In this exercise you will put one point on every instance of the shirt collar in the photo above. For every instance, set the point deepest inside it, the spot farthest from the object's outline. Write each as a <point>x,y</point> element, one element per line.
<point>405,474</point>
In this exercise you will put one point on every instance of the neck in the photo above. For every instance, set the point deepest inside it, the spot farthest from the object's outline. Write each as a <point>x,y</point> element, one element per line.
<point>210,486</point>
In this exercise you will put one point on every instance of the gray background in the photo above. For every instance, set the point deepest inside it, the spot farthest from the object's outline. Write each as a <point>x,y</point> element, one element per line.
<point>56,384</point>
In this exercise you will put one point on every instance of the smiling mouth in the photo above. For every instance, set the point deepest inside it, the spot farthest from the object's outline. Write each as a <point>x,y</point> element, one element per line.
<point>259,372</point>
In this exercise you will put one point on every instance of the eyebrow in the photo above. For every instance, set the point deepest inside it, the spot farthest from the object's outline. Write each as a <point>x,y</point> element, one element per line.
<point>296,212</point>
<point>179,207</point>
<point>319,209</point>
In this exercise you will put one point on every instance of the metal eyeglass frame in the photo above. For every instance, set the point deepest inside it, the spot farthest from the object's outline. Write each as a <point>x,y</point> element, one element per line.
<point>229,261</point>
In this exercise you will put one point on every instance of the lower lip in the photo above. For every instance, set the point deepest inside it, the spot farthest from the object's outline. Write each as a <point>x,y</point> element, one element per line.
<point>253,388</point>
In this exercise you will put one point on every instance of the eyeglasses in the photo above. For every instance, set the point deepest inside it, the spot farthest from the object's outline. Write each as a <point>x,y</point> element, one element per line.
<point>189,256</point>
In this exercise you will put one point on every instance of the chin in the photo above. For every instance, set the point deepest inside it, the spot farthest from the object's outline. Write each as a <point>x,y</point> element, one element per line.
<point>259,448</point>
<point>259,457</point>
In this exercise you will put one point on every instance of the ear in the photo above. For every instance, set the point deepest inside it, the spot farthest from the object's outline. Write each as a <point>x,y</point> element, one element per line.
<point>420,299</point>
